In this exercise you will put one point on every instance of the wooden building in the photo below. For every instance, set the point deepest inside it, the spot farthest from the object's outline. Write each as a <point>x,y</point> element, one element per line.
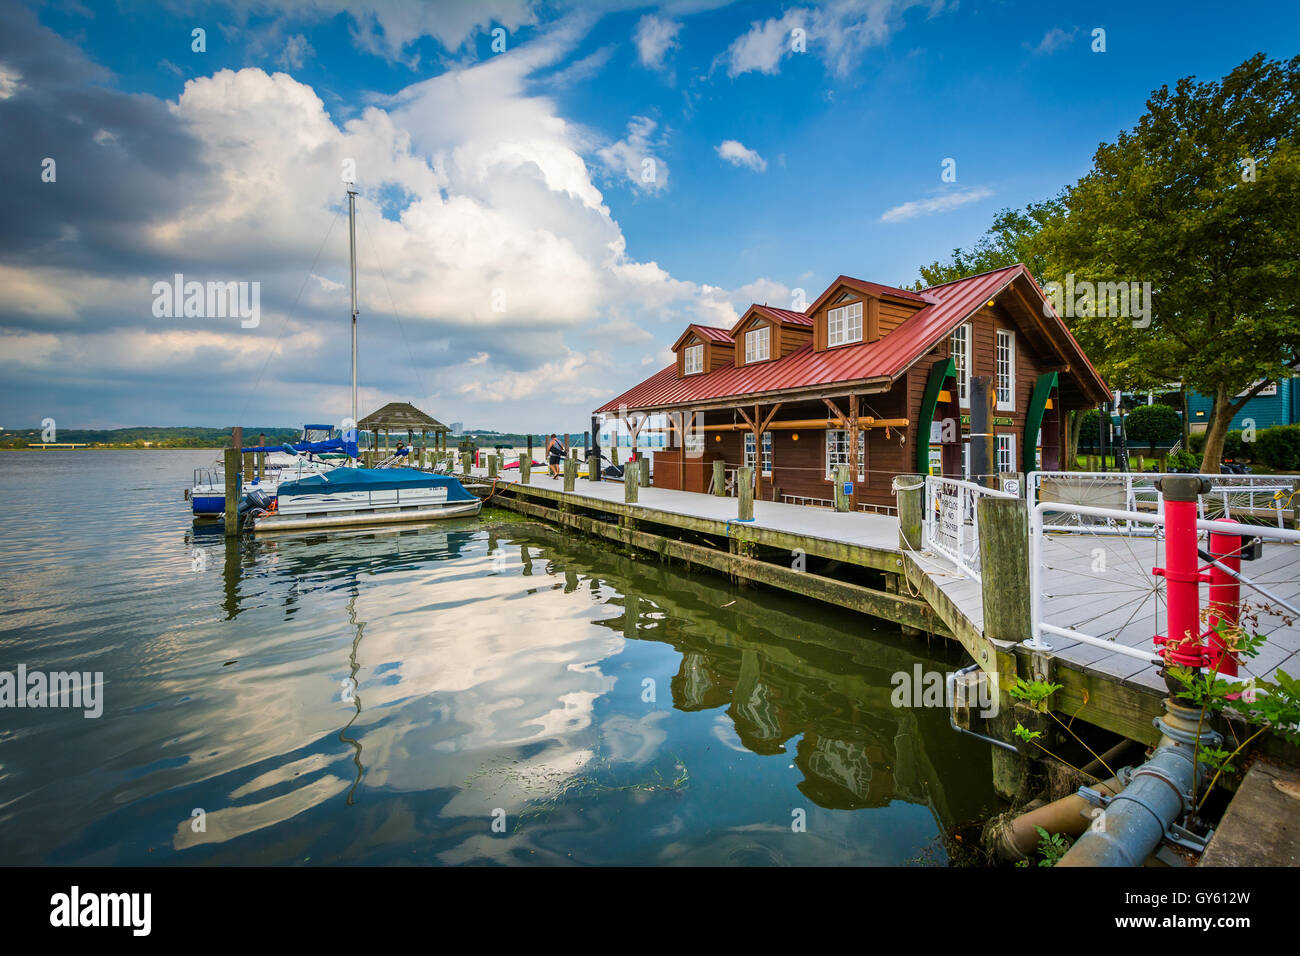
<point>869,376</point>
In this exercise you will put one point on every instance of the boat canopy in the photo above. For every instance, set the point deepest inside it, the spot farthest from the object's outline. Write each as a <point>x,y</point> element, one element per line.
<point>342,480</point>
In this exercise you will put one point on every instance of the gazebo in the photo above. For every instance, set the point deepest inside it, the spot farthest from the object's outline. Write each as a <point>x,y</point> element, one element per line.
<point>404,417</point>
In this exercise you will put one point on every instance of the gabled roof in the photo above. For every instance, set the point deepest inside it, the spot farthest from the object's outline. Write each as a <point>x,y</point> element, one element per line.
<point>871,364</point>
<point>867,288</point>
<point>783,316</point>
<point>709,332</point>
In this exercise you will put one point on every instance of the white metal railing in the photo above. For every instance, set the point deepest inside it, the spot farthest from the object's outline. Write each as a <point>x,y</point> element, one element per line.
<point>1108,520</point>
<point>1266,497</point>
<point>950,520</point>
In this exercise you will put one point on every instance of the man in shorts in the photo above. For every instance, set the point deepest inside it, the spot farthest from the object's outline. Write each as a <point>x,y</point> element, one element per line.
<point>554,455</point>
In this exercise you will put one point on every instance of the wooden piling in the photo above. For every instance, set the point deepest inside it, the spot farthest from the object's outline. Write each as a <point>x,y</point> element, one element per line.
<point>234,484</point>
<point>1004,592</point>
<point>466,458</point>
<point>593,468</point>
<point>261,459</point>
<point>526,467</point>
<point>570,473</point>
<point>842,501</point>
<point>644,465</point>
<point>492,466</point>
<point>720,478</point>
<point>745,494</point>
<point>631,484</point>
<point>911,510</point>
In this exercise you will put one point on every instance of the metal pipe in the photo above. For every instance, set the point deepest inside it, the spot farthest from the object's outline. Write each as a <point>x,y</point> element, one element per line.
<point>1206,556</point>
<point>1160,792</point>
<point>1224,596</point>
<point>1071,815</point>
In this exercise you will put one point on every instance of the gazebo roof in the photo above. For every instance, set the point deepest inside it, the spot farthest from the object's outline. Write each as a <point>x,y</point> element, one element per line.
<point>401,416</point>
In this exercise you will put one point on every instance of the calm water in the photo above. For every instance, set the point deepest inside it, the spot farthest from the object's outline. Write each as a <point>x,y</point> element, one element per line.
<point>616,711</point>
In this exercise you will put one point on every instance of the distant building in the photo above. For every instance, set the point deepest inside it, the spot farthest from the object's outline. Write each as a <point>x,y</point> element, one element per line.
<point>1278,404</point>
<point>458,428</point>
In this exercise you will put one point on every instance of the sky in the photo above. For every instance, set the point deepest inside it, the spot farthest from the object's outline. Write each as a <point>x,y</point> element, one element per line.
<point>548,192</point>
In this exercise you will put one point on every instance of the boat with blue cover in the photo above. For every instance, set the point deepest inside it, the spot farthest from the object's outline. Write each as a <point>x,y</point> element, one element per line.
<point>350,497</point>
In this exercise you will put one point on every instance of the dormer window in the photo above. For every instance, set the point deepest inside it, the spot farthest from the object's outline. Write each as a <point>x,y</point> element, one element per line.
<point>693,359</point>
<point>844,325</point>
<point>758,344</point>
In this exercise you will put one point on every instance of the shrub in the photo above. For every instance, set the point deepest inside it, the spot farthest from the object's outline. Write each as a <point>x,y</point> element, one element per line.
<point>1153,424</point>
<point>1184,461</point>
<point>1279,447</point>
<point>1196,443</point>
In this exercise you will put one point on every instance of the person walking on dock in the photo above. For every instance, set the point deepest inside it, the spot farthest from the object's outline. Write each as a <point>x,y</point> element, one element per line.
<point>554,455</point>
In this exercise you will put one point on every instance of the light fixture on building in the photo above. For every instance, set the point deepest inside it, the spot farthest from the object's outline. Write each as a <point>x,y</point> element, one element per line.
<point>794,436</point>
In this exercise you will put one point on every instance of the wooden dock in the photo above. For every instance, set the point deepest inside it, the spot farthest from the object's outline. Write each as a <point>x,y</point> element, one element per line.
<point>859,561</point>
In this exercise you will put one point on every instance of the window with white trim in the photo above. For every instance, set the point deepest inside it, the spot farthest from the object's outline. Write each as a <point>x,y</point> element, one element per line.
<point>758,344</point>
<point>767,451</point>
<point>693,359</point>
<point>1006,453</point>
<point>837,452</point>
<point>844,325</point>
<point>694,443</point>
<point>1006,370</point>
<point>960,350</point>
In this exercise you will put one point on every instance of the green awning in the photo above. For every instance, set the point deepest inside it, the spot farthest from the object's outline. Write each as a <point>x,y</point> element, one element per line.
<point>940,372</point>
<point>1034,420</point>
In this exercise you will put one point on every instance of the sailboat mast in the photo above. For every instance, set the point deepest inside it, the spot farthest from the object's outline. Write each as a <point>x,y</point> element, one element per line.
<point>352,231</point>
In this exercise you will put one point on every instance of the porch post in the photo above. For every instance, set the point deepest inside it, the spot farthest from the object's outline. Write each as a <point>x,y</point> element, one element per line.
<point>855,467</point>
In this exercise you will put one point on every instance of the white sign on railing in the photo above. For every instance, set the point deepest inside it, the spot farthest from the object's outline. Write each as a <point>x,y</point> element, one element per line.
<point>950,524</point>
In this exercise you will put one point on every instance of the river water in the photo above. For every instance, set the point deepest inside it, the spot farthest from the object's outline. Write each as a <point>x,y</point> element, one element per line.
<point>472,692</point>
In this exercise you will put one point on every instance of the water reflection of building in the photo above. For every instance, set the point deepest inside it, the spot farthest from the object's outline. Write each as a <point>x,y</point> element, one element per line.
<point>786,681</point>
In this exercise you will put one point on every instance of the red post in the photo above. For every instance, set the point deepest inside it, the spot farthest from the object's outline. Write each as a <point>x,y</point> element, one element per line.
<point>1224,596</point>
<point>1182,574</point>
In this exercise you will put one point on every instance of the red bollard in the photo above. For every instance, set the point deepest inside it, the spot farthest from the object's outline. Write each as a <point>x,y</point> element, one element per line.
<point>1224,596</point>
<point>1182,574</point>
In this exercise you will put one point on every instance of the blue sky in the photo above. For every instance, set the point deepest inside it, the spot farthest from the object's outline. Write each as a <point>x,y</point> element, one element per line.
<point>517,267</point>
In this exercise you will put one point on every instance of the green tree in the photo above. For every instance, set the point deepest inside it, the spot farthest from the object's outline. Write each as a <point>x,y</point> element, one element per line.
<point>1153,424</point>
<point>1201,199</point>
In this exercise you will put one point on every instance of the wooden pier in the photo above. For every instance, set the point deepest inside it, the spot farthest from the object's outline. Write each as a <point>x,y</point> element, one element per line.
<point>874,564</point>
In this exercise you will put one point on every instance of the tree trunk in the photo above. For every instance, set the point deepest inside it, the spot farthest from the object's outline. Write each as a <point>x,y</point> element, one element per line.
<point>1221,413</point>
<point>1071,438</point>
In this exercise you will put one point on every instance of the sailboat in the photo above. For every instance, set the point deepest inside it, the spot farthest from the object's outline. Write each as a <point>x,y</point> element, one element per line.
<point>351,497</point>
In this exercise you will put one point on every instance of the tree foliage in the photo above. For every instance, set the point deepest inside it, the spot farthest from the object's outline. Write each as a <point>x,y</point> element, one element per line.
<point>1202,200</point>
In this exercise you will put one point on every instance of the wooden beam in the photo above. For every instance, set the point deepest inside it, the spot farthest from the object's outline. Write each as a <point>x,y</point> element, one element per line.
<point>836,409</point>
<point>767,421</point>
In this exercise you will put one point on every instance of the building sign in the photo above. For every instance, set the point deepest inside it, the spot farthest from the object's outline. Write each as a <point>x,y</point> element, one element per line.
<point>997,420</point>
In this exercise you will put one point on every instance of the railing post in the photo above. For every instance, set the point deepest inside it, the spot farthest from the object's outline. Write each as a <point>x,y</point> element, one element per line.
<point>910,497</point>
<point>745,494</point>
<point>720,478</point>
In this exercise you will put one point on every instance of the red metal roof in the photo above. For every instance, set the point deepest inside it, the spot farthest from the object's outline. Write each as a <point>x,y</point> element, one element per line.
<point>780,315</point>
<point>712,332</point>
<point>887,358</point>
